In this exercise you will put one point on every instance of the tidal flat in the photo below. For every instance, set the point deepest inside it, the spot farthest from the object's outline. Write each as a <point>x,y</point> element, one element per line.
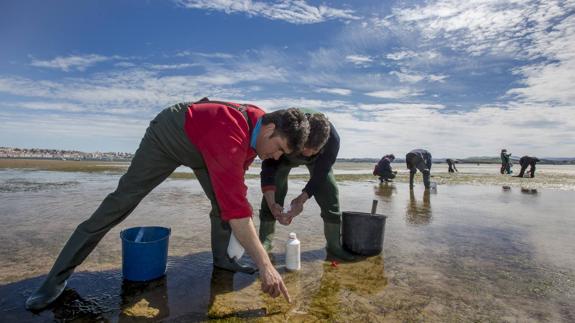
<point>471,251</point>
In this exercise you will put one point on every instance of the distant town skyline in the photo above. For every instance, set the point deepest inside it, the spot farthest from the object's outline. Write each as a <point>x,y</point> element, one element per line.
<point>459,79</point>
<point>48,153</point>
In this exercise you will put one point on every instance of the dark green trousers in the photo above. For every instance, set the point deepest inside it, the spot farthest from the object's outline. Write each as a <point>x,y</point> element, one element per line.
<point>163,148</point>
<point>327,195</point>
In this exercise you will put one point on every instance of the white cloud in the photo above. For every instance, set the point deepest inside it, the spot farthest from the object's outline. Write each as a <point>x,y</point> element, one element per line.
<point>337,91</point>
<point>436,78</point>
<point>69,63</point>
<point>73,131</point>
<point>326,59</point>
<point>293,11</point>
<point>398,106</point>
<point>498,27</point>
<point>407,78</point>
<point>149,89</point>
<point>481,132</point>
<point>552,80</point>
<point>285,102</point>
<point>217,55</point>
<point>397,56</point>
<point>173,66</point>
<point>125,64</point>
<point>413,77</point>
<point>393,94</point>
<point>359,59</point>
<point>53,106</point>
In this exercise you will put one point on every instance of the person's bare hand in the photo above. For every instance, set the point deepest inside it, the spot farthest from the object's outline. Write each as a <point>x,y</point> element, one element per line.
<point>296,205</point>
<point>285,218</point>
<point>276,210</point>
<point>273,284</point>
<point>296,208</point>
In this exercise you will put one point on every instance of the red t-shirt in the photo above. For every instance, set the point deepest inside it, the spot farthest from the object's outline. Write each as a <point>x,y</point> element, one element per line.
<point>222,136</point>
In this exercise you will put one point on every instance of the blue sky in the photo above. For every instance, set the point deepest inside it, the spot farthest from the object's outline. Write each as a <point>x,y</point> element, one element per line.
<point>460,79</point>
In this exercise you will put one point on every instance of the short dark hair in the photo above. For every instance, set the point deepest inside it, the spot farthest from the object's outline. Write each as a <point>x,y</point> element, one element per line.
<point>319,129</point>
<point>291,124</point>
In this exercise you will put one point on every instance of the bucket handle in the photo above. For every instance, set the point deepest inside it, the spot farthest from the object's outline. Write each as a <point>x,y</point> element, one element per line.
<point>373,207</point>
<point>140,235</point>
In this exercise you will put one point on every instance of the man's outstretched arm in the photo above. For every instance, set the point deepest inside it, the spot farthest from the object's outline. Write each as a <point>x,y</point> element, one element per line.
<point>272,282</point>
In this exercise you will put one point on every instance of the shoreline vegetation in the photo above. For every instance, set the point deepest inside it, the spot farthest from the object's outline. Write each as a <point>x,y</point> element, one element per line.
<point>553,180</point>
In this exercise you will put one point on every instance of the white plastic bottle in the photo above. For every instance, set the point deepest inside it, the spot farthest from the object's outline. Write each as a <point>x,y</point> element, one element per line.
<point>293,261</point>
<point>235,249</point>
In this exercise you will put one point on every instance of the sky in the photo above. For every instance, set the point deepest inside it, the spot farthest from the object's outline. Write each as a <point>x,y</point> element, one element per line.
<point>458,78</point>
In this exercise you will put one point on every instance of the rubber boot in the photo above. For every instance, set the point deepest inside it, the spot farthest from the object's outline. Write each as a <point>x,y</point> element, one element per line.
<point>78,247</point>
<point>221,233</point>
<point>45,295</point>
<point>267,229</point>
<point>332,232</point>
<point>426,182</point>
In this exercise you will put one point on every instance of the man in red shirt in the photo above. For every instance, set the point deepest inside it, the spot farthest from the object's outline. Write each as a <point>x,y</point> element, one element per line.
<point>218,140</point>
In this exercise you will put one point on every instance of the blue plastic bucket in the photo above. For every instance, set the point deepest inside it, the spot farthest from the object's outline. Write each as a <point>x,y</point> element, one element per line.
<point>144,252</point>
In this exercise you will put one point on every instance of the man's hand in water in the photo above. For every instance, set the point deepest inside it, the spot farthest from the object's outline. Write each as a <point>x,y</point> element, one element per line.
<point>272,283</point>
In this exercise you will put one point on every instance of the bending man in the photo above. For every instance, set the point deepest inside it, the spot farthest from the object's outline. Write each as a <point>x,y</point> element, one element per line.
<point>319,154</point>
<point>218,141</point>
<point>527,161</point>
<point>419,159</point>
<point>451,164</point>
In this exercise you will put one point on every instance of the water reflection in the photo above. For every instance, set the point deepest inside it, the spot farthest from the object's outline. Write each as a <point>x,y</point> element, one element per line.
<point>226,302</point>
<point>492,254</point>
<point>221,283</point>
<point>418,213</point>
<point>362,278</point>
<point>386,191</point>
<point>144,300</point>
<point>528,190</point>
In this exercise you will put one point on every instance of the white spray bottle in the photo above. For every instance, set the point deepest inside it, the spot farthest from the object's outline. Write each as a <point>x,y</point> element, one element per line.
<point>293,261</point>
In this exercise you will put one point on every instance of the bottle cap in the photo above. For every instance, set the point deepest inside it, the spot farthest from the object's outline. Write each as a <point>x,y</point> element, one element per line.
<point>292,235</point>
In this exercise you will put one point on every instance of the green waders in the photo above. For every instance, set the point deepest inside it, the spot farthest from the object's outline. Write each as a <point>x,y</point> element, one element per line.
<point>327,197</point>
<point>164,147</point>
<point>417,163</point>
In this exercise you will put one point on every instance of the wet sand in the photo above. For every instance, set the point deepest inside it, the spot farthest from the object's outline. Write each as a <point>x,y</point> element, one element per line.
<point>466,253</point>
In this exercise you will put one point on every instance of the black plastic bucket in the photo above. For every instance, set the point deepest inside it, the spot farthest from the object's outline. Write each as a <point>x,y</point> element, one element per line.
<point>362,233</point>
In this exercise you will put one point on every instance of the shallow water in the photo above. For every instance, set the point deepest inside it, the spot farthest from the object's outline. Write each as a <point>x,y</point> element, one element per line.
<point>464,253</point>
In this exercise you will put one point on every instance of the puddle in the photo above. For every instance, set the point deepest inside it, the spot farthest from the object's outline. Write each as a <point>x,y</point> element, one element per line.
<point>465,253</point>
